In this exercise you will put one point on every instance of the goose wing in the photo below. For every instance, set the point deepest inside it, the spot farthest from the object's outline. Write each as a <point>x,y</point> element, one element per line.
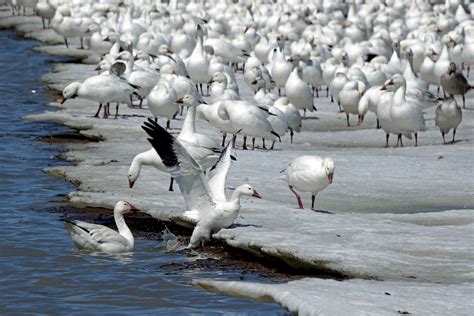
<point>93,234</point>
<point>184,169</point>
<point>218,173</point>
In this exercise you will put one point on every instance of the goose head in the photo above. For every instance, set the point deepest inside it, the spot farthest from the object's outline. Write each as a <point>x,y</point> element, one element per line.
<point>393,83</point>
<point>451,68</point>
<point>123,207</point>
<point>219,77</point>
<point>188,100</point>
<point>134,171</point>
<point>70,92</point>
<point>328,165</point>
<point>247,189</point>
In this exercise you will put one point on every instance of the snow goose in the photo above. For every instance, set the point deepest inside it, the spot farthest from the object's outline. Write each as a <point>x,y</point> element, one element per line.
<point>209,113</point>
<point>104,88</point>
<point>336,85</point>
<point>309,174</point>
<point>101,238</point>
<point>162,101</point>
<point>142,78</point>
<point>298,92</point>
<point>455,83</point>
<point>448,116</point>
<point>278,121</point>
<point>46,11</point>
<point>66,25</point>
<point>197,64</point>
<point>369,102</point>
<point>293,116</point>
<point>250,119</point>
<point>442,64</point>
<point>219,88</point>
<point>313,74</point>
<point>427,68</point>
<point>205,199</point>
<point>406,115</point>
<point>349,98</point>
<point>280,70</point>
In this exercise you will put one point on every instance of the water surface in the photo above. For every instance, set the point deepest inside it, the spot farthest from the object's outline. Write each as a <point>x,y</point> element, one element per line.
<point>40,269</point>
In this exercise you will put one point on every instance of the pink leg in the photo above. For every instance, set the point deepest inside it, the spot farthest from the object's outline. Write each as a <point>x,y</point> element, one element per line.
<point>298,197</point>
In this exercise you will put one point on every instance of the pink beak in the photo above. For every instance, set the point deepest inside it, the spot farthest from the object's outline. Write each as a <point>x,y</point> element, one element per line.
<point>330,176</point>
<point>180,101</point>
<point>133,208</point>
<point>256,194</point>
<point>63,100</point>
<point>130,183</point>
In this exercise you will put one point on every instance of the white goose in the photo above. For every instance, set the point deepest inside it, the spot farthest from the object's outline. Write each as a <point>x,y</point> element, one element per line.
<point>309,174</point>
<point>205,199</point>
<point>251,119</point>
<point>162,101</point>
<point>298,92</point>
<point>197,64</point>
<point>406,115</point>
<point>101,238</point>
<point>104,89</point>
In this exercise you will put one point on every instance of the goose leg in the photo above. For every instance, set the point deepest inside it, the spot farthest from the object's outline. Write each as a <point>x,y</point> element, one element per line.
<point>378,124</point>
<point>65,41</point>
<point>82,43</point>
<point>387,136</point>
<point>398,140</point>
<point>304,114</point>
<point>416,139</point>
<point>171,184</point>
<point>401,141</point>
<point>347,118</point>
<point>298,197</point>
<point>253,143</point>
<point>224,135</point>
<point>454,135</point>
<point>98,111</point>
<point>463,101</point>
<point>339,105</point>
<point>327,92</point>
<point>313,197</point>
<point>444,141</point>
<point>105,115</point>
<point>116,110</point>
<point>291,135</point>
<point>44,26</point>
<point>168,124</point>
<point>263,143</point>
<point>273,144</point>
<point>244,146</point>
<point>317,93</point>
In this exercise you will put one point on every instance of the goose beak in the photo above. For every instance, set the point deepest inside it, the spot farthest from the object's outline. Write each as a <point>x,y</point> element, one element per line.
<point>133,208</point>
<point>180,101</point>
<point>384,87</point>
<point>63,100</point>
<point>330,176</point>
<point>130,183</point>
<point>98,68</point>
<point>256,194</point>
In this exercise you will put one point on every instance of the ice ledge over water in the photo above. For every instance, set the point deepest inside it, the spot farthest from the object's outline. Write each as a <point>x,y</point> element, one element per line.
<point>355,297</point>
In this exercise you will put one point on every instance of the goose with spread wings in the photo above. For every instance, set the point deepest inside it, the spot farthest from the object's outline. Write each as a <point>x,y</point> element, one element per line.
<point>205,198</point>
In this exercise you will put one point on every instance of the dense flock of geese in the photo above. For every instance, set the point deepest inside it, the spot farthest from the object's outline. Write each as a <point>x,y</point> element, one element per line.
<point>380,57</point>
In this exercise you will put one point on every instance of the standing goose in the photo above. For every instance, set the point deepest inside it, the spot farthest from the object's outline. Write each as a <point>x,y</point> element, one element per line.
<point>455,83</point>
<point>205,199</point>
<point>448,115</point>
<point>406,115</point>
<point>298,92</point>
<point>162,101</point>
<point>309,174</point>
<point>101,238</point>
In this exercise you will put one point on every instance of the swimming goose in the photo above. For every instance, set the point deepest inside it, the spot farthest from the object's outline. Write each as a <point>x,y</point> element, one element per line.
<point>205,199</point>
<point>309,174</point>
<point>101,238</point>
<point>448,116</point>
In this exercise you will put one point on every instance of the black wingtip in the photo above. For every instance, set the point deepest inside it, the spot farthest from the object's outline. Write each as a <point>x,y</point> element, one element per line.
<point>162,141</point>
<point>233,158</point>
<point>314,108</point>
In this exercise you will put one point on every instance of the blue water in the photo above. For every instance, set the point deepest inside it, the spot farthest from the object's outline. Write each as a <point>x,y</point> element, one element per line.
<point>40,269</point>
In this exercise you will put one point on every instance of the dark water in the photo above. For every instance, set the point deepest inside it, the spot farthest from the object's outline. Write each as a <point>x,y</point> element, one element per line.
<point>40,269</point>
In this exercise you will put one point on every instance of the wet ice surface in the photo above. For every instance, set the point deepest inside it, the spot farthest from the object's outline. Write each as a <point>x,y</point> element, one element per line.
<point>401,215</point>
